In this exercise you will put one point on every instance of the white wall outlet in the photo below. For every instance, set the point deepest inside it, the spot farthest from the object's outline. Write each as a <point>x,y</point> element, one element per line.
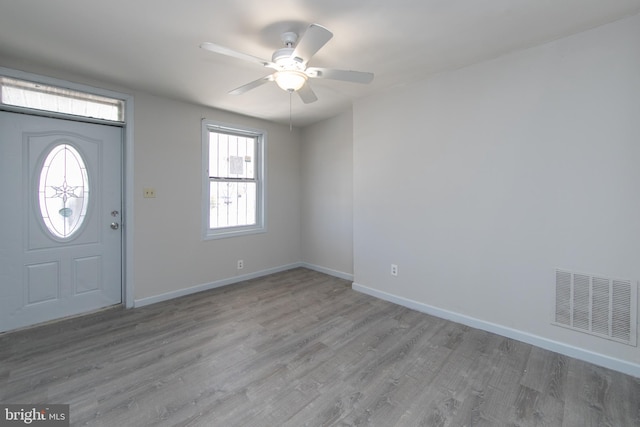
<point>394,269</point>
<point>149,193</point>
<point>240,264</point>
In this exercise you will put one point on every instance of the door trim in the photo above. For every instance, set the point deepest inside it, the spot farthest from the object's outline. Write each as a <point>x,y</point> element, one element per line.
<point>127,166</point>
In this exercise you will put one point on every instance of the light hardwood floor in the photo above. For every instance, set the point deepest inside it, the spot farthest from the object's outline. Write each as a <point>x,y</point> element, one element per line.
<point>300,348</point>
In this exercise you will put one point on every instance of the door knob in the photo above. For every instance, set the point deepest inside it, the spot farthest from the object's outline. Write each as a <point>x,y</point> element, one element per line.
<point>115,225</point>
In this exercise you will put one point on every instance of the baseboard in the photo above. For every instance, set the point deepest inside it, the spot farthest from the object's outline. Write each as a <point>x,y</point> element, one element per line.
<point>217,284</point>
<point>235,279</point>
<point>330,272</point>
<point>555,346</point>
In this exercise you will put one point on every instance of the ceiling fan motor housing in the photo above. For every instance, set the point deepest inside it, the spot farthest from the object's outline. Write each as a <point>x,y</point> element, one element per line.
<point>283,57</point>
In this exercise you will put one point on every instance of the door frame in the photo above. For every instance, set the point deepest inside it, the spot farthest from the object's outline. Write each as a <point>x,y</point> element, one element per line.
<point>127,162</point>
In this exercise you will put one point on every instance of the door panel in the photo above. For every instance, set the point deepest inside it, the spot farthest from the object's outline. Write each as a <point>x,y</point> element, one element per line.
<point>52,271</point>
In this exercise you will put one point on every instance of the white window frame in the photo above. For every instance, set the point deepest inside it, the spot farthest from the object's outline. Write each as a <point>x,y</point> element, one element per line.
<point>209,233</point>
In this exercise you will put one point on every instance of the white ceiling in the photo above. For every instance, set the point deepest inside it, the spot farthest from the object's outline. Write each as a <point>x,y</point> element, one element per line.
<point>153,45</point>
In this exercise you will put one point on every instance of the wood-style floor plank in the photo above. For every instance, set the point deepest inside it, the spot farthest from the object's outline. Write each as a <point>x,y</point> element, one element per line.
<point>300,348</point>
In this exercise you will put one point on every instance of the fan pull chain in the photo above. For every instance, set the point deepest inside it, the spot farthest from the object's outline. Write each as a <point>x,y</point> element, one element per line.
<point>290,111</point>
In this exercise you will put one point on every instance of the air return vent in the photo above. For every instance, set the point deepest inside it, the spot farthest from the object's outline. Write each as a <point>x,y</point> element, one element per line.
<point>597,305</point>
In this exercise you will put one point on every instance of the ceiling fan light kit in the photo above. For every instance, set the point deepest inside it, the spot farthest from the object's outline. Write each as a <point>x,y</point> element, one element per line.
<point>290,64</point>
<point>291,81</point>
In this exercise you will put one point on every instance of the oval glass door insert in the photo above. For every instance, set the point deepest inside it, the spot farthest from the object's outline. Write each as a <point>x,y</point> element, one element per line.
<point>63,191</point>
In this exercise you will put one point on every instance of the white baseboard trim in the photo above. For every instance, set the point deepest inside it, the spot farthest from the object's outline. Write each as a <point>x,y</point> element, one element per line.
<point>235,279</point>
<point>207,286</point>
<point>555,346</point>
<point>330,272</point>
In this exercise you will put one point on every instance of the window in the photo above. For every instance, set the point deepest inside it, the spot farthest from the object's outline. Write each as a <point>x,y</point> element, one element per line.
<point>63,191</point>
<point>37,96</point>
<point>233,180</point>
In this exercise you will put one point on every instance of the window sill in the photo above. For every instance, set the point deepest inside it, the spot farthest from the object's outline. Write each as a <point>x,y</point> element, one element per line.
<point>232,232</point>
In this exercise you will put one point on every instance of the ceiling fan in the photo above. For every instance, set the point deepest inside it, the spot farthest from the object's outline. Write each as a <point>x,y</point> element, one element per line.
<point>290,64</point>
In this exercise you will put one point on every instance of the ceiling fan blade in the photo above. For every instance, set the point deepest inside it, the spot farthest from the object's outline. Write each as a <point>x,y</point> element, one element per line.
<point>344,75</point>
<point>252,85</point>
<point>212,47</point>
<point>306,94</point>
<point>313,39</point>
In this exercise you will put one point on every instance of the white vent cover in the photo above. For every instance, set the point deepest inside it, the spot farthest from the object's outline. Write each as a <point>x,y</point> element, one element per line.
<point>597,305</point>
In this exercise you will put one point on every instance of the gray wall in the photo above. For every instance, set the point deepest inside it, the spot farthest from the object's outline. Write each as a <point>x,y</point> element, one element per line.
<point>480,182</point>
<point>169,252</point>
<point>327,195</point>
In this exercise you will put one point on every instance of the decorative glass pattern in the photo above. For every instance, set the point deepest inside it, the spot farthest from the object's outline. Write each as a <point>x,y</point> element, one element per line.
<point>63,191</point>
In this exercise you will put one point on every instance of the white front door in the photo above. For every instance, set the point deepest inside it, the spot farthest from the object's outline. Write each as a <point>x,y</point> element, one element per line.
<point>60,205</point>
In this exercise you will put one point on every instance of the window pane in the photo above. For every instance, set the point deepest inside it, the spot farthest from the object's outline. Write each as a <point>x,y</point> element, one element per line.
<point>63,191</point>
<point>22,93</point>
<point>232,204</point>
<point>231,156</point>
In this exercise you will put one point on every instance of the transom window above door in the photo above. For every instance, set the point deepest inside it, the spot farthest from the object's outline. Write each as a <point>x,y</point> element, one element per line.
<point>37,96</point>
